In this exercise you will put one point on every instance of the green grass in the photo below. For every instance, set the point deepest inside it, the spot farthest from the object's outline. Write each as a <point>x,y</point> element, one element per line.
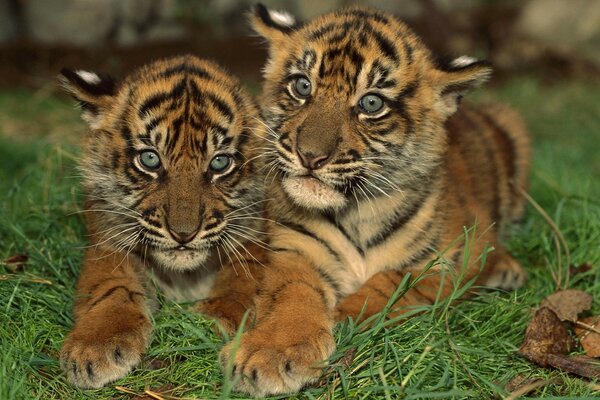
<point>467,350</point>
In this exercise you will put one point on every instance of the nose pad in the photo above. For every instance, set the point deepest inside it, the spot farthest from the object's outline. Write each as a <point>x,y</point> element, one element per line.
<point>311,160</point>
<point>183,237</point>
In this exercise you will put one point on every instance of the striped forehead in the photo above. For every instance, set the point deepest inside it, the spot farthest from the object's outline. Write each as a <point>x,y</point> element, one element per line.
<point>184,106</point>
<point>345,45</point>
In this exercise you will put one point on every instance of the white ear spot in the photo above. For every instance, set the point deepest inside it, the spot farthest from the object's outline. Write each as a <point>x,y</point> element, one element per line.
<point>282,18</point>
<point>463,61</point>
<point>88,76</point>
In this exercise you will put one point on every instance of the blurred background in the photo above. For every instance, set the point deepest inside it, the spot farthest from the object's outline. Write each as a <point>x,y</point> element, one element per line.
<point>554,38</point>
<point>546,55</point>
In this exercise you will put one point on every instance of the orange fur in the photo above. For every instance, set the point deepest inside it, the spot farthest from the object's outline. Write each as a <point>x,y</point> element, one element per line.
<point>184,224</point>
<point>378,172</point>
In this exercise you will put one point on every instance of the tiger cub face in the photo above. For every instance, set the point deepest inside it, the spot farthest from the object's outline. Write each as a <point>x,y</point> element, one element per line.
<point>356,104</point>
<point>170,160</point>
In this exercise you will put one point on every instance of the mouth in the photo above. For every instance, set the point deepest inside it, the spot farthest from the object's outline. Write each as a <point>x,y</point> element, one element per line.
<point>180,257</point>
<point>182,248</point>
<point>310,192</point>
<point>311,182</point>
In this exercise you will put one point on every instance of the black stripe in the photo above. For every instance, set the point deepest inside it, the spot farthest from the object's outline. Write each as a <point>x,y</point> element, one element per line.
<point>358,61</point>
<point>153,123</point>
<point>343,231</point>
<point>408,52</point>
<point>322,31</point>
<point>362,14</point>
<point>304,231</point>
<point>220,104</point>
<point>408,90</point>
<point>491,168</point>
<point>174,135</point>
<point>112,290</point>
<point>418,257</point>
<point>380,292</point>
<point>341,34</point>
<point>285,141</point>
<point>185,69</point>
<point>152,102</point>
<point>385,46</point>
<point>328,279</point>
<point>399,221</point>
<point>149,232</point>
<point>153,223</point>
<point>158,99</point>
<point>426,250</point>
<point>308,54</point>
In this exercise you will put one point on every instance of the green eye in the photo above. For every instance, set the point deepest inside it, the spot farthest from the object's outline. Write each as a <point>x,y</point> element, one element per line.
<point>149,159</point>
<point>220,163</point>
<point>302,87</point>
<point>371,103</point>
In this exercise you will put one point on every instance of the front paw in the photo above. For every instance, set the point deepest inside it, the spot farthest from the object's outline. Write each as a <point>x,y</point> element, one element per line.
<point>227,311</point>
<point>270,361</point>
<point>348,309</point>
<point>99,351</point>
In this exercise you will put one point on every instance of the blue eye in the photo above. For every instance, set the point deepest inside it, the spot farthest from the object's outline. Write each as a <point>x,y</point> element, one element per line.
<point>370,103</point>
<point>149,159</point>
<point>220,163</point>
<point>302,87</point>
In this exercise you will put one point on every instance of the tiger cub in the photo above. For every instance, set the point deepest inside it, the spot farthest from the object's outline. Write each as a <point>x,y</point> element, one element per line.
<point>172,198</point>
<point>379,170</point>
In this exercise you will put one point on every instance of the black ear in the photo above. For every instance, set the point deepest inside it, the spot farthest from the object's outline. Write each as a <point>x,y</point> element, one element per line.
<point>454,78</point>
<point>272,24</point>
<point>93,91</point>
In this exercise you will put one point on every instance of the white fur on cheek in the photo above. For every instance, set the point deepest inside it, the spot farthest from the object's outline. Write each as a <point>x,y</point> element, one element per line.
<point>463,61</point>
<point>312,194</point>
<point>89,77</point>
<point>282,18</point>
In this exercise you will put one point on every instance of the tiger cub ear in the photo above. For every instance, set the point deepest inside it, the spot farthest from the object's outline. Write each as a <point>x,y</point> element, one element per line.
<point>455,78</point>
<point>93,91</point>
<point>273,25</point>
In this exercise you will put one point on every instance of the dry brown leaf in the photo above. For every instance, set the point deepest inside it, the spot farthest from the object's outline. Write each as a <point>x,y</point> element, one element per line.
<point>15,263</point>
<point>516,382</point>
<point>348,357</point>
<point>568,304</point>
<point>160,393</point>
<point>546,334</point>
<point>578,365</point>
<point>520,386</point>
<point>587,330</point>
<point>155,363</point>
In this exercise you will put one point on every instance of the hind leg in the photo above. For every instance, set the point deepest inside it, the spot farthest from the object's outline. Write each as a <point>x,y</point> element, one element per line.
<point>504,271</point>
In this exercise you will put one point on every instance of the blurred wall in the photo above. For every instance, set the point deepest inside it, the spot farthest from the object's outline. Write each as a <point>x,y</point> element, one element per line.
<point>37,37</point>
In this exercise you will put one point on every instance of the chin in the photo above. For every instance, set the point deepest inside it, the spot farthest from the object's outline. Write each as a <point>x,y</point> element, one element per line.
<point>180,260</point>
<point>311,193</point>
